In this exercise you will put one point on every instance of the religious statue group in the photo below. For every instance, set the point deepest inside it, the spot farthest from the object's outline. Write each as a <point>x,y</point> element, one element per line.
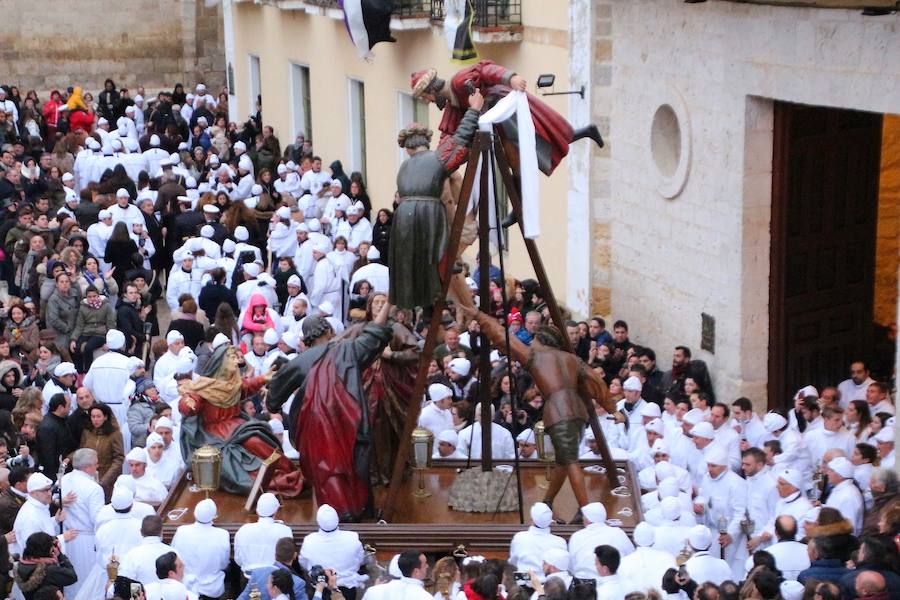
<point>346,396</point>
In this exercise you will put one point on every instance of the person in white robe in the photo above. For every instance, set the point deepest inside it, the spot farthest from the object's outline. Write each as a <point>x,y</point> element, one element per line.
<point>762,496</point>
<point>147,488</point>
<point>155,155</point>
<point>137,509</point>
<point>157,467</point>
<point>671,534</point>
<point>205,550</point>
<point>165,365</point>
<point>855,387</point>
<point>123,211</point>
<point>326,279</point>
<point>527,548</point>
<point>794,454</point>
<point>376,273</point>
<point>885,444</point>
<point>115,535</point>
<point>356,229</point>
<point>792,501</point>
<point>832,435</point>
<point>646,565</point>
<point>241,235</point>
<point>167,430</point>
<point>257,282</point>
<point>34,515</point>
<point>721,505</point>
<point>82,512</point>
<point>702,566</point>
<point>108,380</point>
<point>254,543</point>
<point>502,444</point>
<point>139,563</point>
<point>446,446</point>
<point>436,415</point>
<point>595,533</point>
<point>845,497</point>
<point>282,238</point>
<point>790,555</point>
<point>98,235</point>
<point>334,547</point>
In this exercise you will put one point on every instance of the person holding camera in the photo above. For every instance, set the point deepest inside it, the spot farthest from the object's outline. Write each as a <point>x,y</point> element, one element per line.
<point>332,546</point>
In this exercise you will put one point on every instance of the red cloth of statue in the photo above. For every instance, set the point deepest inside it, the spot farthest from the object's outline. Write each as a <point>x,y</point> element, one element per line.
<point>552,130</point>
<point>213,419</point>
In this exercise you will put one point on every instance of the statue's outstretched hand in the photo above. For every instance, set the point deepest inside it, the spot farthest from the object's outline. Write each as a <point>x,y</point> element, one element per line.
<point>517,82</point>
<point>476,100</point>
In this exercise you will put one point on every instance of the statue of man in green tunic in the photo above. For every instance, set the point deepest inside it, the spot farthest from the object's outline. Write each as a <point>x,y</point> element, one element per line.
<point>419,231</point>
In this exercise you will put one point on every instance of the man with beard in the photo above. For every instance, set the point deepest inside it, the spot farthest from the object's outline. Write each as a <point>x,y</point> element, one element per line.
<point>329,413</point>
<point>682,368</point>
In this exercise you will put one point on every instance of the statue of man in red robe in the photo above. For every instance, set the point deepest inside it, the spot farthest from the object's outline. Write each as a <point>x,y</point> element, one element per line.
<point>553,132</point>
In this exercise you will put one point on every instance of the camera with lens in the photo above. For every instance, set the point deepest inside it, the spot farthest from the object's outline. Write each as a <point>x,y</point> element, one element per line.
<point>317,574</point>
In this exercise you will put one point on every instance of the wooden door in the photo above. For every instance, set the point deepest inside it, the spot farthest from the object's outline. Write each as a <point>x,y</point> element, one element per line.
<point>824,210</point>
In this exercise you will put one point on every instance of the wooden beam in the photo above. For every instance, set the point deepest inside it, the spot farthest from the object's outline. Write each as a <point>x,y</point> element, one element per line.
<point>484,292</point>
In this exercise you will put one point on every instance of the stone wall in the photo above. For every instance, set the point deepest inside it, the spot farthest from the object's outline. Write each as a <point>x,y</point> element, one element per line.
<point>695,239</point>
<point>46,44</point>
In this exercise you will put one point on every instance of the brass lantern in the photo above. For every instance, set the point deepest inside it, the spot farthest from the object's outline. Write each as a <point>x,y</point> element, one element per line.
<point>112,567</point>
<point>422,447</point>
<point>540,440</point>
<point>206,468</point>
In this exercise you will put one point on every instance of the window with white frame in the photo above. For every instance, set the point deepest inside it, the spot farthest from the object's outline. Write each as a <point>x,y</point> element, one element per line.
<point>357,145</point>
<point>255,85</point>
<point>301,105</point>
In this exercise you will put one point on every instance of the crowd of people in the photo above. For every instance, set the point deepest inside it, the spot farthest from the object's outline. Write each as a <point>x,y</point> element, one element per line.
<point>141,234</point>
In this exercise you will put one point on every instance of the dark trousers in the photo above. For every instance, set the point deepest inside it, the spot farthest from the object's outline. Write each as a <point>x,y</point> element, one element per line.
<point>349,593</point>
<point>84,351</point>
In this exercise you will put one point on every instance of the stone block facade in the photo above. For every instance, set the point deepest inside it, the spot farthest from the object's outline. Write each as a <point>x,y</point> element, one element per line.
<point>666,258</point>
<point>46,44</point>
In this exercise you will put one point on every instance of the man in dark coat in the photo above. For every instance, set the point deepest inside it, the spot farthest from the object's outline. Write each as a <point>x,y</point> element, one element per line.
<point>130,319</point>
<point>215,292</point>
<point>13,497</point>
<point>54,439</point>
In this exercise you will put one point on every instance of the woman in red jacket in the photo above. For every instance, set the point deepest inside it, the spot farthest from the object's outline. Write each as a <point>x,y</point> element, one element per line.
<point>51,117</point>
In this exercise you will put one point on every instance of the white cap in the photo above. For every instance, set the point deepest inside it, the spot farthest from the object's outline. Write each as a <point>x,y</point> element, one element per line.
<point>791,589</point>
<point>693,416</point>
<point>699,537</point>
<point>632,384</point>
<point>184,364</point>
<point>207,231</point>
<point>327,518</point>
<point>271,337</point>
<point>256,190</point>
<point>322,244</point>
<point>129,109</point>
<point>205,511</point>
<point>644,535</point>
<point>122,193</point>
<point>290,339</point>
<point>241,234</point>
<point>651,409</point>
<point>557,557</point>
<point>252,269</point>
<point>122,497</point>
<point>115,339</point>
<point>214,160</point>
<point>885,436</point>
<point>841,466</point>
<point>281,169</point>
<point>342,204</point>
<point>337,183</point>
<point>154,439</point>
<point>174,336</point>
<point>792,477</point>
<point>717,456</point>
<point>201,88</point>
<point>67,177</point>
<point>245,163</point>
<point>809,390</point>
<point>220,339</point>
<point>703,429</point>
<point>137,455</point>
<point>295,281</point>
<point>283,212</point>
<point>228,246</point>
<point>65,368</point>
<point>267,505</point>
<point>449,436</point>
<point>526,436</point>
<point>541,515</point>
<point>326,308</point>
<point>595,512</point>
<point>38,481</point>
<point>656,425</point>
<point>104,215</point>
<point>439,391</point>
<point>460,366</point>
<point>102,121</point>
<point>667,486</point>
<point>394,567</point>
<point>774,422</point>
<point>373,254</point>
<point>495,354</point>
<point>670,508</point>
<point>154,140</point>
<point>164,423</point>
<point>91,143</point>
<point>314,225</point>
<point>355,209</point>
<point>174,158</point>
<point>659,447</point>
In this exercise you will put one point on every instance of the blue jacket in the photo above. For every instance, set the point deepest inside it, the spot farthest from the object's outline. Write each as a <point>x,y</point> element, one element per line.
<point>827,569</point>
<point>260,577</point>
<point>848,581</point>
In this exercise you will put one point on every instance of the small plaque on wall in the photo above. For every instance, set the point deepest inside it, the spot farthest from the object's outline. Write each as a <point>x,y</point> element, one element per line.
<point>708,333</point>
